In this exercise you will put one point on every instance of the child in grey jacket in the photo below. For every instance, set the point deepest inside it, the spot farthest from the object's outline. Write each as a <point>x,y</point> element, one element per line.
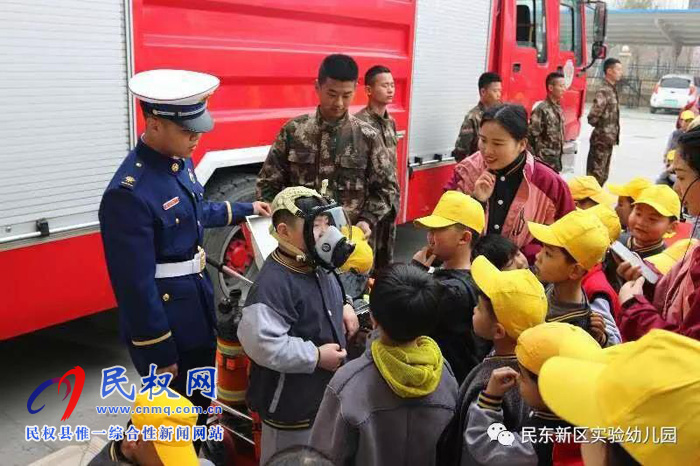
<point>294,326</point>
<point>510,302</point>
<point>529,445</point>
<point>390,405</point>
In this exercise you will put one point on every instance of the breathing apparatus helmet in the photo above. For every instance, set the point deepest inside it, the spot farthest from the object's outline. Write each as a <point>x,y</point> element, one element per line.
<point>324,223</point>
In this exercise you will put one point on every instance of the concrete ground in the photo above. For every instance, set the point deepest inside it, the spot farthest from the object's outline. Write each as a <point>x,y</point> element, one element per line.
<point>93,343</point>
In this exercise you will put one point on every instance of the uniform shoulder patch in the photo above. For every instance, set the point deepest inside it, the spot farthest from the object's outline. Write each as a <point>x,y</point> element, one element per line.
<point>128,182</point>
<point>366,128</point>
<point>129,172</point>
<point>363,115</point>
<point>296,121</point>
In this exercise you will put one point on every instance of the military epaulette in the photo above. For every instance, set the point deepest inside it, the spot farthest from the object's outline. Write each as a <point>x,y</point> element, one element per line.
<point>366,128</point>
<point>130,180</point>
<point>299,120</point>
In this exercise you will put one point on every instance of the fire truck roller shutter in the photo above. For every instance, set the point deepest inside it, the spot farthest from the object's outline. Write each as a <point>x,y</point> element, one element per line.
<point>65,111</point>
<point>450,53</point>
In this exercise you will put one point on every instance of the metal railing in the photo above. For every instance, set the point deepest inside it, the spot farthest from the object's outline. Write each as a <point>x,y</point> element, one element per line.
<point>631,91</point>
<point>650,72</point>
<point>656,72</point>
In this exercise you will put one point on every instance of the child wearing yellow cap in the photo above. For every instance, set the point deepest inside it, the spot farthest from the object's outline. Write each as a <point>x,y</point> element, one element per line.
<point>453,228</point>
<point>603,298</point>
<point>685,119</point>
<point>161,410</point>
<point>587,192</point>
<point>509,303</point>
<point>572,246</point>
<point>654,216</point>
<point>626,194</point>
<point>535,346</point>
<point>648,389</point>
<point>668,176</point>
<point>665,261</point>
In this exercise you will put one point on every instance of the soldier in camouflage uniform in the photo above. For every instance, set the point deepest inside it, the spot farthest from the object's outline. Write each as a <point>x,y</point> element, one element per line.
<point>379,85</point>
<point>605,118</point>
<point>546,132</point>
<point>334,145</point>
<point>489,95</point>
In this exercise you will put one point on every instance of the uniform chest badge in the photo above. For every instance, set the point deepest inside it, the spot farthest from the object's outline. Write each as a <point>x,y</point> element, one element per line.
<point>171,203</point>
<point>191,175</point>
<point>128,181</point>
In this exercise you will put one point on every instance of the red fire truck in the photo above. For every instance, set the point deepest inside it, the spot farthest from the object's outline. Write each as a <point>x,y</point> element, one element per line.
<point>68,121</point>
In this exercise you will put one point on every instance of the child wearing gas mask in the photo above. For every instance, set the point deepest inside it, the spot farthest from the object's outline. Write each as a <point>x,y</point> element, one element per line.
<point>296,320</point>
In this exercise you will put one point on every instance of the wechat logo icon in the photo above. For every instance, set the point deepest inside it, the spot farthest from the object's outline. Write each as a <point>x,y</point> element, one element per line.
<point>498,432</point>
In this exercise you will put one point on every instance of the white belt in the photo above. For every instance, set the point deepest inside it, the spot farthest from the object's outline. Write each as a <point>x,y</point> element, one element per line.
<point>179,269</point>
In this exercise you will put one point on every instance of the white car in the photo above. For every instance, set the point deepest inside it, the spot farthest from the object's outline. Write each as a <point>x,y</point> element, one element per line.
<point>674,92</point>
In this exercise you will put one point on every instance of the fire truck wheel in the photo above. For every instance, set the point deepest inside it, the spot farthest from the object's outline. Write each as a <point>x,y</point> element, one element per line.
<point>228,245</point>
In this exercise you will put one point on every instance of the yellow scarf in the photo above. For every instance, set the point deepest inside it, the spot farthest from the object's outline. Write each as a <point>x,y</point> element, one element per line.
<point>412,371</point>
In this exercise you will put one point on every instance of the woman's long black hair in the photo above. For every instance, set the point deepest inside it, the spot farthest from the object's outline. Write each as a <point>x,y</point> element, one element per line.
<point>512,117</point>
<point>689,145</point>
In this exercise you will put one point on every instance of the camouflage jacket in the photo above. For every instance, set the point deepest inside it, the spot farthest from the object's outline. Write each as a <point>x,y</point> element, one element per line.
<point>386,126</point>
<point>468,139</point>
<point>546,135</point>
<point>349,153</point>
<point>605,115</point>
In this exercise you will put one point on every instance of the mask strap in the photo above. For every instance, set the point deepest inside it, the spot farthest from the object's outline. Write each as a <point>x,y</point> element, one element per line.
<point>300,255</point>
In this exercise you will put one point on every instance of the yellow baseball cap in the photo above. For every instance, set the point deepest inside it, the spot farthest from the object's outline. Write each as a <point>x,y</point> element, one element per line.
<point>455,207</point>
<point>175,452</point>
<point>582,234</point>
<point>362,258</point>
<point>666,260</point>
<point>518,298</point>
<point>608,217</point>
<point>661,198</point>
<point>632,188</point>
<point>583,187</point>
<point>537,344</point>
<point>687,115</point>
<point>651,383</point>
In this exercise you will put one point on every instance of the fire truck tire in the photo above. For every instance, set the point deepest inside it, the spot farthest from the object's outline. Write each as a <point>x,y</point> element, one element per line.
<point>226,242</point>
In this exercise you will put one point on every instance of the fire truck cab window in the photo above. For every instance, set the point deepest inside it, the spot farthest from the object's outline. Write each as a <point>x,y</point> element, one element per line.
<point>530,27</point>
<point>570,30</point>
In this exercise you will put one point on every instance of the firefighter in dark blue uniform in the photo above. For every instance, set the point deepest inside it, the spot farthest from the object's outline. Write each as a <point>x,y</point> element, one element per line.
<point>152,219</point>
